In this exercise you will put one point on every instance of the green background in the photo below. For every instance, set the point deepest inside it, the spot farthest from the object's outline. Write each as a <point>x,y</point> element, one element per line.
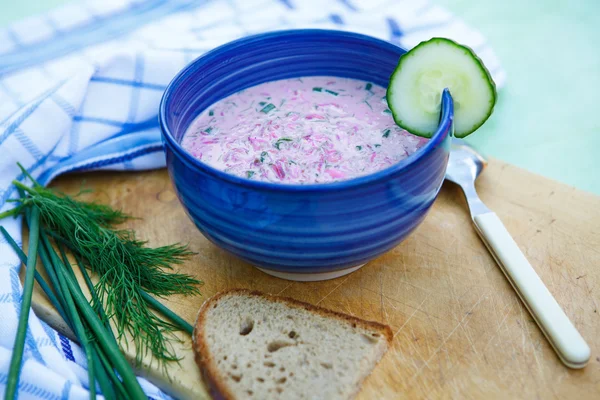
<point>547,116</point>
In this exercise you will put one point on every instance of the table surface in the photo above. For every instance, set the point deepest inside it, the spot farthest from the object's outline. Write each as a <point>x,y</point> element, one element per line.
<point>544,120</point>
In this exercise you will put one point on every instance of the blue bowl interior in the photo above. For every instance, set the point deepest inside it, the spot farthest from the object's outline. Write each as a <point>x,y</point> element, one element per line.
<point>274,56</point>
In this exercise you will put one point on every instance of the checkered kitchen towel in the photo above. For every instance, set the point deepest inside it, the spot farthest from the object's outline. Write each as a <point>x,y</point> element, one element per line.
<point>80,89</point>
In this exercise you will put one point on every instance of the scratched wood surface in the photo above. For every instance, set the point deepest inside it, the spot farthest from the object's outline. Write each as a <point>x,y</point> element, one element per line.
<point>459,329</point>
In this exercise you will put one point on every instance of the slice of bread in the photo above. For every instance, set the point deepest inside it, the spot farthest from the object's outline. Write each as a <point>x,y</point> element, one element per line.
<point>250,345</point>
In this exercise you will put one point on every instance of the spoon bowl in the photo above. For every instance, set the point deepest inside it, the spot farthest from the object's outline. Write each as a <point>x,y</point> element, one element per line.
<point>464,164</point>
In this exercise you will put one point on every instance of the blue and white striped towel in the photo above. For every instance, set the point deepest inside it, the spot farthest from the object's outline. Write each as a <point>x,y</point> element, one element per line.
<point>79,91</point>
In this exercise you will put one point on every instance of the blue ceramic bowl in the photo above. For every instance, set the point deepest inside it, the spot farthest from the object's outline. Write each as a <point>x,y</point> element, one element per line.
<point>304,232</point>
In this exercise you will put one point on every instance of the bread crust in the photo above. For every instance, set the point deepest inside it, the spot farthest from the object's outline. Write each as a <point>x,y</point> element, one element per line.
<point>204,359</point>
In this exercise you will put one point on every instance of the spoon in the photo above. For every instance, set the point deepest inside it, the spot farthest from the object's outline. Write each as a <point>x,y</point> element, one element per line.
<point>464,167</point>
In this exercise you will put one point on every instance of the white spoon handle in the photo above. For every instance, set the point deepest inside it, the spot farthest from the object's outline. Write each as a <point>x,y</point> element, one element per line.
<point>563,336</point>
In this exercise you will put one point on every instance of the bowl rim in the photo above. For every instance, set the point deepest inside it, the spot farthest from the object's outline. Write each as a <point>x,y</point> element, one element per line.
<point>445,124</point>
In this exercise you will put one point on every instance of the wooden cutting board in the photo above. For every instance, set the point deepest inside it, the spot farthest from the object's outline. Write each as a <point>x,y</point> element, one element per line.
<point>459,329</point>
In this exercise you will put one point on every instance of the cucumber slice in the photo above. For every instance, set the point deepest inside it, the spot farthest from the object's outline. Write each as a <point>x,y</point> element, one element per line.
<point>416,85</point>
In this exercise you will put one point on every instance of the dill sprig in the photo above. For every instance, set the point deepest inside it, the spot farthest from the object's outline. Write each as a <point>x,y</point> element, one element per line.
<point>128,271</point>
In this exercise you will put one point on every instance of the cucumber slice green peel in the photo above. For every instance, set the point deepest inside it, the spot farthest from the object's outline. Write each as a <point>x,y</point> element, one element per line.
<point>415,90</point>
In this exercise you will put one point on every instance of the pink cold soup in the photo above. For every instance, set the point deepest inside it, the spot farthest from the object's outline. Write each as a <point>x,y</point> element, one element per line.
<point>301,131</point>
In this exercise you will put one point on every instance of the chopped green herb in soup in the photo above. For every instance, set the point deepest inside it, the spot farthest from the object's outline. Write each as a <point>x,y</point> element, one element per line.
<point>309,130</point>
